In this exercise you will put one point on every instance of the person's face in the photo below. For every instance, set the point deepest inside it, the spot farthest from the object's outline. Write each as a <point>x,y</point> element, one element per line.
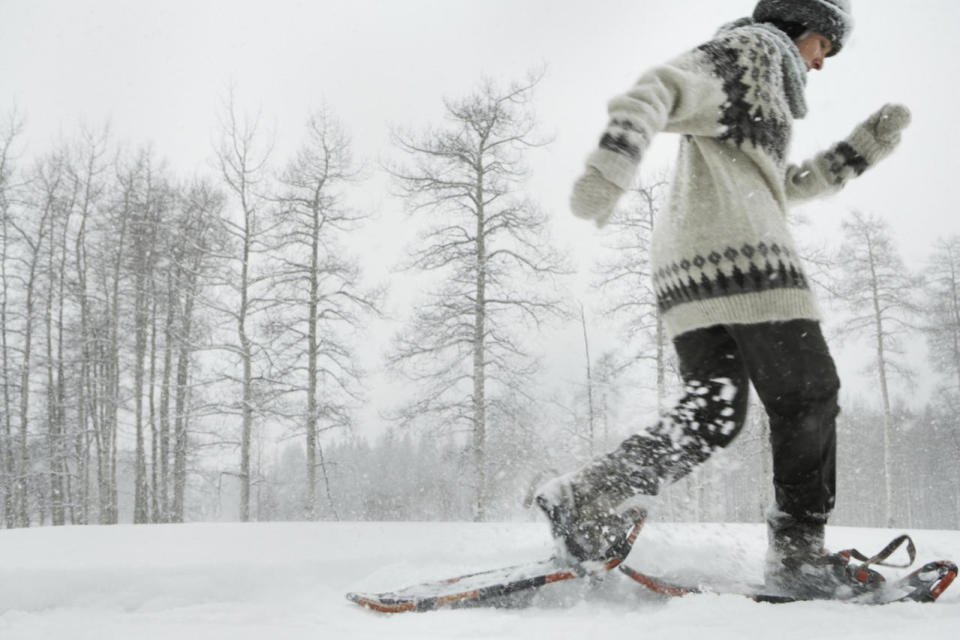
<point>814,48</point>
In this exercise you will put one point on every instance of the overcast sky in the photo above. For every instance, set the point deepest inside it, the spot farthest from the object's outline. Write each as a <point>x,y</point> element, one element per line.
<point>158,71</point>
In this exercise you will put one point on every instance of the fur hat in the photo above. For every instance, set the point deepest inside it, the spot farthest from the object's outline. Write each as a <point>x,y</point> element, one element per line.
<point>832,18</point>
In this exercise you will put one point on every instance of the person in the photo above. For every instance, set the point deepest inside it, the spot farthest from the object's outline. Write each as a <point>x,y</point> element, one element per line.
<point>730,285</point>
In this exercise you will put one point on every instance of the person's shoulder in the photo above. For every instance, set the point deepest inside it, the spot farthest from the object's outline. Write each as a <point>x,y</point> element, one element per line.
<point>748,42</point>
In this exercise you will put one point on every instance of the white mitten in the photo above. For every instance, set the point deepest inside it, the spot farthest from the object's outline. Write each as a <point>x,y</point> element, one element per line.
<point>879,134</point>
<point>594,197</point>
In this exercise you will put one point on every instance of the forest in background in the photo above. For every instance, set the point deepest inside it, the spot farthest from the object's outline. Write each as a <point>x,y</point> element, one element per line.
<point>187,348</point>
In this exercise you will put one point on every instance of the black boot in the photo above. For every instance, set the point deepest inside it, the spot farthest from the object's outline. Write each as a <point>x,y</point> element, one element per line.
<point>798,565</point>
<point>591,511</point>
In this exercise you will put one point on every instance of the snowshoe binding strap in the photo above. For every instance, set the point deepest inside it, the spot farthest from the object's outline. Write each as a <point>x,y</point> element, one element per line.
<point>621,548</point>
<point>880,559</point>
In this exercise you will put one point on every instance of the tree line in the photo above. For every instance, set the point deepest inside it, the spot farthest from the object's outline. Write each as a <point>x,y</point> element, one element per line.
<point>170,345</point>
<point>138,310</point>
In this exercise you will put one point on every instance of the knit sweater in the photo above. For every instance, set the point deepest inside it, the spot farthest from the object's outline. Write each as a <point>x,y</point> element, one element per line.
<point>722,252</point>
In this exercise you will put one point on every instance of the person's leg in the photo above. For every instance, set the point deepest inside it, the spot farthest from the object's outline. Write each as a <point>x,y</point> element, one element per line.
<point>585,507</point>
<point>796,379</point>
<point>707,417</point>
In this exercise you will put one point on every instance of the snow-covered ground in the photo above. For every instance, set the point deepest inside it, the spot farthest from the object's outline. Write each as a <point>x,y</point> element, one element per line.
<point>288,580</point>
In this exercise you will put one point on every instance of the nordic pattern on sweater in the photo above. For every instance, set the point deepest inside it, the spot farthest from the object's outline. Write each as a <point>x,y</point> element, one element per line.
<point>749,269</point>
<point>750,83</point>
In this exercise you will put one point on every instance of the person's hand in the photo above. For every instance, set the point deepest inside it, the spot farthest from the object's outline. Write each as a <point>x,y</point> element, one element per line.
<point>594,197</point>
<point>877,136</point>
<point>887,123</point>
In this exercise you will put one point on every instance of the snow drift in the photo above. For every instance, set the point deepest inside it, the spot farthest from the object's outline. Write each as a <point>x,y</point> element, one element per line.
<point>288,580</point>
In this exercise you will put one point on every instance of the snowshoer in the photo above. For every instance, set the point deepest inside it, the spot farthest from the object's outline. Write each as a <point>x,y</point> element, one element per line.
<point>730,285</point>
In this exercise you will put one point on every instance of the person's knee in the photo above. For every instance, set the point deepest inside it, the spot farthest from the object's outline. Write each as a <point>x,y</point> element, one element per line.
<point>718,407</point>
<point>812,394</point>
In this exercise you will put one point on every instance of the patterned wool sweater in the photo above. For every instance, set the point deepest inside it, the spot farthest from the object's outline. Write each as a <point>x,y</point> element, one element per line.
<point>722,253</point>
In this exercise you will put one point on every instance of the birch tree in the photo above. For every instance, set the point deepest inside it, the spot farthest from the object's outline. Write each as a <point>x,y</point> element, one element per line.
<point>242,157</point>
<point>319,300</point>
<point>106,199</point>
<point>33,228</point>
<point>88,168</point>
<point>12,128</point>
<point>942,310</point>
<point>198,242</point>
<point>111,264</point>
<point>485,244</point>
<point>137,183</point>
<point>63,193</point>
<point>880,295</point>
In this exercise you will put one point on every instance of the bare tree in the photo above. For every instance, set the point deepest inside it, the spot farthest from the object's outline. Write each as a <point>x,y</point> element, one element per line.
<point>942,309</point>
<point>591,407</point>
<point>198,242</point>
<point>880,294</point>
<point>65,195</point>
<point>33,228</point>
<point>317,293</point>
<point>13,127</point>
<point>88,166</point>
<point>111,263</point>
<point>242,157</point>
<point>149,218</point>
<point>462,347</point>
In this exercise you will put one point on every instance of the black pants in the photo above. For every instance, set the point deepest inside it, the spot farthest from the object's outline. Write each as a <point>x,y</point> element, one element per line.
<point>791,368</point>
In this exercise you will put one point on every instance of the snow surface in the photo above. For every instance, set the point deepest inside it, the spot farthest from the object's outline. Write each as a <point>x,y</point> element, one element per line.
<point>288,580</point>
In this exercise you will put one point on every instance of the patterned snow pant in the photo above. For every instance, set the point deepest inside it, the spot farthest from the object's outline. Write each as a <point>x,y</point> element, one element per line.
<point>791,368</point>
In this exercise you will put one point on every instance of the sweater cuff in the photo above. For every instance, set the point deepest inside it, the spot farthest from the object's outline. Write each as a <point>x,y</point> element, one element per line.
<point>613,167</point>
<point>869,148</point>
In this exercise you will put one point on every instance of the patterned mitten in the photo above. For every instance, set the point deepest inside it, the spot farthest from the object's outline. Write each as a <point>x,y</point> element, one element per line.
<point>594,197</point>
<point>879,134</point>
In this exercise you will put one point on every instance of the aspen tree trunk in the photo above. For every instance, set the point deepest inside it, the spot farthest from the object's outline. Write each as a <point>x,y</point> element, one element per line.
<point>85,388</point>
<point>67,502</point>
<point>479,366</point>
<point>180,424</point>
<point>312,382</point>
<point>246,354</point>
<point>884,388</point>
<point>56,397</point>
<point>7,456</point>
<point>108,437</point>
<point>8,468</point>
<point>590,409</point>
<point>152,420</point>
<point>166,383</point>
<point>22,485</point>
<point>955,314</point>
<point>141,514</point>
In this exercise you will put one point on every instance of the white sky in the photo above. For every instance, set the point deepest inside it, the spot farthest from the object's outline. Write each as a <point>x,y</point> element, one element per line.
<point>158,71</point>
